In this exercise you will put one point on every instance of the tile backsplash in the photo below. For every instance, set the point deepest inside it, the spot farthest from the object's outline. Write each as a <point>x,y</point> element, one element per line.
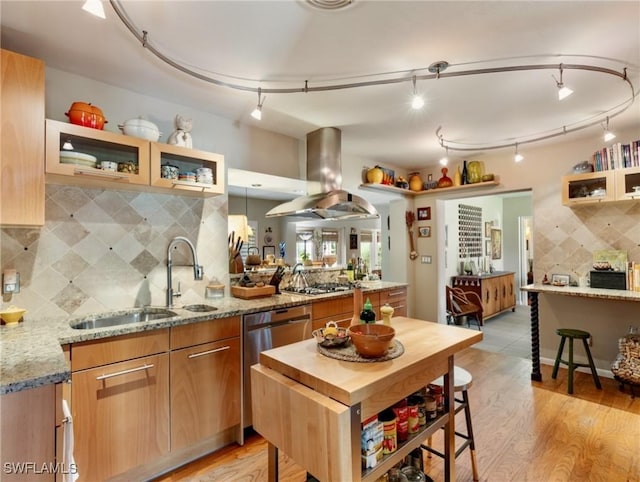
<point>104,249</point>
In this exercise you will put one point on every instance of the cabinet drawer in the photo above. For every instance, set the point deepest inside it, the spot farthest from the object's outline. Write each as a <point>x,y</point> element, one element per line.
<point>322,309</point>
<point>95,353</point>
<point>343,320</point>
<point>204,332</point>
<point>393,295</point>
<point>205,391</point>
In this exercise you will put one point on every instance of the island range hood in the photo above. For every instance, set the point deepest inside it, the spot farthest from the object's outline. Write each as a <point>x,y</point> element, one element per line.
<point>324,169</point>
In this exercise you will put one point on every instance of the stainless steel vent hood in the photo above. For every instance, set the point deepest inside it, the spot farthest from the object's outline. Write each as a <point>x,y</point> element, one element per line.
<point>324,169</point>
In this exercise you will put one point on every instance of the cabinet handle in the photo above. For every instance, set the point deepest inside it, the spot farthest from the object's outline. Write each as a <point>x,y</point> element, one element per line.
<point>208,352</point>
<point>124,372</point>
<point>116,176</point>
<point>396,293</point>
<point>496,295</point>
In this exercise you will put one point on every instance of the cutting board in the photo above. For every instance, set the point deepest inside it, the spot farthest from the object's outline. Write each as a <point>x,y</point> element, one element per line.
<point>253,292</point>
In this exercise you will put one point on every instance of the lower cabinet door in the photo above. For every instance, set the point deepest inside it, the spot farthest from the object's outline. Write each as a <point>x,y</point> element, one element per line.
<point>205,391</point>
<point>120,416</point>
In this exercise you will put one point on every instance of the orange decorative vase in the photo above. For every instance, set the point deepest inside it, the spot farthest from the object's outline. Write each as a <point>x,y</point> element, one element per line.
<point>445,181</point>
<point>415,182</point>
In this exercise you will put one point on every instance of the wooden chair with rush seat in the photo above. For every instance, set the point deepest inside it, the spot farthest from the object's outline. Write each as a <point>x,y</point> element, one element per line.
<point>463,305</point>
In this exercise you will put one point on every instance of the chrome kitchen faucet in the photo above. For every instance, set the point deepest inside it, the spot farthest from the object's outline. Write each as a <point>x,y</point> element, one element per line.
<point>198,271</point>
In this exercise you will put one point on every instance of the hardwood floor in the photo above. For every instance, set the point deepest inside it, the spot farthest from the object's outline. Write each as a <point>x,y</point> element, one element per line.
<point>524,431</point>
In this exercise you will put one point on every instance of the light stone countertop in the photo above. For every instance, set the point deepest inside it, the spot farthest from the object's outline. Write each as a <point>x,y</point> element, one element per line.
<point>584,292</point>
<point>31,353</point>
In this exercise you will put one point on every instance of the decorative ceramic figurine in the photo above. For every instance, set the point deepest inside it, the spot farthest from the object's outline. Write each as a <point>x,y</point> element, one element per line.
<point>182,135</point>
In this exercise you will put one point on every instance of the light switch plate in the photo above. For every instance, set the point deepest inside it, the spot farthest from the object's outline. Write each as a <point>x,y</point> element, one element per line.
<point>425,259</point>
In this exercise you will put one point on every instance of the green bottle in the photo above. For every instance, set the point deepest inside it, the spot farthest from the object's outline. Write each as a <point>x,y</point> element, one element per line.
<point>367,315</point>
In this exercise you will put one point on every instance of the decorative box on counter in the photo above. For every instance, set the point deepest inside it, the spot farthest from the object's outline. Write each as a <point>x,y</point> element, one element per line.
<point>612,280</point>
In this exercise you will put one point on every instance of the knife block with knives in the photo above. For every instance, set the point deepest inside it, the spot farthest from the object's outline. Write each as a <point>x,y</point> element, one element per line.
<point>236,264</point>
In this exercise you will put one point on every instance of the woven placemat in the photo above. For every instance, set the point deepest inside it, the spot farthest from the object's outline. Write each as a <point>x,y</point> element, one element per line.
<point>348,353</point>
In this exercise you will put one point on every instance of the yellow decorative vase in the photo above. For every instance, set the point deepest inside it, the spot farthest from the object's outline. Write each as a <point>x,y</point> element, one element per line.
<point>415,182</point>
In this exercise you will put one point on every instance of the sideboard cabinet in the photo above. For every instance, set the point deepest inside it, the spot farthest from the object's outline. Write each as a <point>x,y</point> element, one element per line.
<point>497,291</point>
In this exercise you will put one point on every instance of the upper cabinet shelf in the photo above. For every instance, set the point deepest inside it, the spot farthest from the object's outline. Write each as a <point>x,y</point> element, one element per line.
<point>138,161</point>
<point>440,190</point>
<point>601,186</point>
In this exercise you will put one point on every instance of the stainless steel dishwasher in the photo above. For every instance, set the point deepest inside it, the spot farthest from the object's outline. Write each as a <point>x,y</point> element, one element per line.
<point>270,329</point>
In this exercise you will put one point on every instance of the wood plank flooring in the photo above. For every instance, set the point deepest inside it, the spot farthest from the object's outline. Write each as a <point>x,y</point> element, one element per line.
<point>524,431</point>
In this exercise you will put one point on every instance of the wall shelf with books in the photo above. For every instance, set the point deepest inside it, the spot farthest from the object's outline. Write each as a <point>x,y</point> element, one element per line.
<point>617,156</point>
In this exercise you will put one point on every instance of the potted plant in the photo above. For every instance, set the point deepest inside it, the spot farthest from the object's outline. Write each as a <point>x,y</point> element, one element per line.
<point>306,259</point>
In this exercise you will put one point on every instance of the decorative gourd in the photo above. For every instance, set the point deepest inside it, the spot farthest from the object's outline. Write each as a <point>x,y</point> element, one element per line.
<point>375,175</point>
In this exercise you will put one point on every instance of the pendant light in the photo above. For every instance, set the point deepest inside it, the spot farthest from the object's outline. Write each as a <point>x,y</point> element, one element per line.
<point>563,90</point>
<point>94,7</point>
<point>417,102</point>
<point>518,157</point>
<point>608,135</point>
<point>445,160</point>
<point>257,112</point>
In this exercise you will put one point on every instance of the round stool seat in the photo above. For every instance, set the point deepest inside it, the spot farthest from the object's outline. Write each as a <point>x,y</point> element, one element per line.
<point>462,379</point>
<point>573,333</point>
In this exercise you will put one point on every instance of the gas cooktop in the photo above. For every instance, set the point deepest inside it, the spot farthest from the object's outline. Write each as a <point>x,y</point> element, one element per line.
<point>320,289</point>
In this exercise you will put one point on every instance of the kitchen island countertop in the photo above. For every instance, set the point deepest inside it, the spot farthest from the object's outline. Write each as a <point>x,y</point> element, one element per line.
<point>31,353</point>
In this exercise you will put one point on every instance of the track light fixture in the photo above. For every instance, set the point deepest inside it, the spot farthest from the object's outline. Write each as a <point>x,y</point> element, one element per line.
<point>608,135</point>
<point>518,157</point>
<point>417,102</point>
<point>435,71</point>
<point>257,112</point>
<point>563,90</point>
<point>94,7</point>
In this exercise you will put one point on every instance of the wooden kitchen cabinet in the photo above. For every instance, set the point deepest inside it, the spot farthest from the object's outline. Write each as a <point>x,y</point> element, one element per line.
<point>588,188</point>
<point>27,433</point>
<point>120,406</point>
<point>339,310</point>
<point>396,298</point>
<point>205,380</point>
<point>22,140</point>
<point>186,160</point>
<point>147,157</point>
<point>497,291</point>
<point>625,181</point>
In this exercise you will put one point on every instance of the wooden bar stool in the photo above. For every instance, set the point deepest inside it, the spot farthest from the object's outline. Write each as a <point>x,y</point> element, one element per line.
<point>573,334</point>
<point>462,380</point>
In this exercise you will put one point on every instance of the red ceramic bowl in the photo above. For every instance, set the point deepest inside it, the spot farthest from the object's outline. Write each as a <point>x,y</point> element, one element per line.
<point>371,339</point>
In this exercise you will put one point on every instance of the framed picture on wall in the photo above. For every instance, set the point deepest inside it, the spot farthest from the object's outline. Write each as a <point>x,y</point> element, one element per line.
<point>487,229</point>
<point>424,214</point>
<point>487,247</point>
<point>353,241</point>
<point>496,243</point>
<point>424,232</point>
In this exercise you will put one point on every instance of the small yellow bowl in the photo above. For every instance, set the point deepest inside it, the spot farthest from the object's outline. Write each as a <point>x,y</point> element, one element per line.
<point>12,315</point>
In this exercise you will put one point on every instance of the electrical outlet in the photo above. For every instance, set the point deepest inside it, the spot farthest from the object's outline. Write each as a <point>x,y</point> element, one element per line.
<point>10,281</point>
<point>425,259</point>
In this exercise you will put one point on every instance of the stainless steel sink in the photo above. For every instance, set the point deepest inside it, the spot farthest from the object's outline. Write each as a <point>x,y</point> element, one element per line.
<point>137,316</point>
<point>200,308</point>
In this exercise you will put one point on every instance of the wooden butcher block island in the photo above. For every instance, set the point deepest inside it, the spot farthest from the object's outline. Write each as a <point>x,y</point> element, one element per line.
<point>311,406</point>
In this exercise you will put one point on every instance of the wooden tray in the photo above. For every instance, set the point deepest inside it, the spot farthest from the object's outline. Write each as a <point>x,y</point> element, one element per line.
<point>254,292</point>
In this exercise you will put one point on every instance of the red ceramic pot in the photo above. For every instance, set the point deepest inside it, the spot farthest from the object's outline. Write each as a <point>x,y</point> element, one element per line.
<point>87,115</point>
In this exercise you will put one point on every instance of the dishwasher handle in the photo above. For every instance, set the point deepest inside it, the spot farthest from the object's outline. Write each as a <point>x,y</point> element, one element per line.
<point>275,324</point>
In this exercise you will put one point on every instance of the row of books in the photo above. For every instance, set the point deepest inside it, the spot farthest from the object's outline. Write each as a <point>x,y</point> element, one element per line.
<point>617,156</point>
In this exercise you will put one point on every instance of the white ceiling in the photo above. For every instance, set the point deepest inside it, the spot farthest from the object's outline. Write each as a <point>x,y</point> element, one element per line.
<point>275,44</point>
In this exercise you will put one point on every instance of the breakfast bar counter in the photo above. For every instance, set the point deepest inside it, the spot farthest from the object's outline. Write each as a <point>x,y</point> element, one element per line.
<point>312,406</point>
<point>581,294</point>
